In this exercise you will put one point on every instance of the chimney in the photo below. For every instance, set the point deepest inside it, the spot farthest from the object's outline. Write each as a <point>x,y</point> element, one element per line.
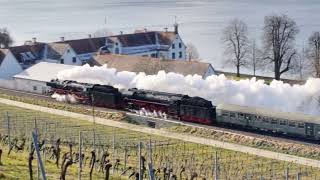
<point>166,29</point>
<point>145,30</point>
<point>89,36</point>
<point>176,28</point>
<point>121,32</point>
<point>34,40</point>
<point>62,39</point>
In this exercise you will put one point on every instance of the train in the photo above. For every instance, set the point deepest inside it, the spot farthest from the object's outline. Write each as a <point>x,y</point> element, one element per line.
<point>190,109</point>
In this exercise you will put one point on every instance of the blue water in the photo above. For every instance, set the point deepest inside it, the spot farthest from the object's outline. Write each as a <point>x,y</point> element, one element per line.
<point>201,21</point>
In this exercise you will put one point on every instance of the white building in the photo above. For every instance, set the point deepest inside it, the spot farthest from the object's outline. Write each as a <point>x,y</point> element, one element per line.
<point>9,66</point>
<point>155,44</point>
<point>34,79</point>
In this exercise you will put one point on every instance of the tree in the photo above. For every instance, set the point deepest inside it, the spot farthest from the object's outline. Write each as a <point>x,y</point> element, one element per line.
<point>279,37</point>
<point>313,53</point>
<point>5,38</point>
<point>192,52</point>
<point>235,38</point>
<point>256,61</point>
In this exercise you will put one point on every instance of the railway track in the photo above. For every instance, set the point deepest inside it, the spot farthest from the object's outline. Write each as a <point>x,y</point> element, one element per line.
<point>232,131</point>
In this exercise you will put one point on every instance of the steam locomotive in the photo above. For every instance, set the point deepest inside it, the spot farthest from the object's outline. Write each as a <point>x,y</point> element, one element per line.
<point>168,105</point>
<point>190,109</point>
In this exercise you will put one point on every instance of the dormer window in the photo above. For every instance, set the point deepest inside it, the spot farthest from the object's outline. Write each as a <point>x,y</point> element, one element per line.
<point>173,46</point>
<point>68,50</point>
<point>117,44</point>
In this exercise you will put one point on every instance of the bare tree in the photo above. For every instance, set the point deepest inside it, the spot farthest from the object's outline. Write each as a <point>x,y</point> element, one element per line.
<point>256,60</point>
<point>5,38</point>
<point>192,52</point>
<point>279,37</point>
<point>235,38</point>
<point>313,53</point>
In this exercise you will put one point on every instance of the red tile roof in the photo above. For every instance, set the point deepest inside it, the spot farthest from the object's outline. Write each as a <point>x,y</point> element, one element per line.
<point>150,65</point>
<point>35,49</point>
<point>83,46</point>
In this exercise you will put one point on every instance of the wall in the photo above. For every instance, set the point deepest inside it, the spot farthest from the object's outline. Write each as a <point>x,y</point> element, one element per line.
<point>176,50</point>
<point>31,86</point>
<point>9,67</point>
<point>210,71</point>
<point>8,83</point>
<point>68,56</point>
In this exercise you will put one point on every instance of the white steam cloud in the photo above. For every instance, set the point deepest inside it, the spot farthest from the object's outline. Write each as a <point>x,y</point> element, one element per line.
<point>250,92</point>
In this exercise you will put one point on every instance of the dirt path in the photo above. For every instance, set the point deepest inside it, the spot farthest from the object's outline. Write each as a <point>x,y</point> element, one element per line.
<point>159,132</point>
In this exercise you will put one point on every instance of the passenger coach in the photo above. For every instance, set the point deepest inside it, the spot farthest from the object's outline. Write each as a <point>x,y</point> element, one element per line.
<point>293,124</point>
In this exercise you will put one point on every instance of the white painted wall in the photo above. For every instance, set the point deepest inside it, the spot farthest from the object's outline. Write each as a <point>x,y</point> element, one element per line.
<point>210,71</point>
<point>32,86</point>
<point>68,57</point>
<point>176,50</point>
<point>9,66</point>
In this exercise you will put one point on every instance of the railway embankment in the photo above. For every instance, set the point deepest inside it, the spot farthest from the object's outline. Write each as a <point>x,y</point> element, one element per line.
<point>174,135</point>
<point>307,150</point>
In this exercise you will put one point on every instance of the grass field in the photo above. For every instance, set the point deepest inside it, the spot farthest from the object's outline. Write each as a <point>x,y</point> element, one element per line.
<point>122,144</point>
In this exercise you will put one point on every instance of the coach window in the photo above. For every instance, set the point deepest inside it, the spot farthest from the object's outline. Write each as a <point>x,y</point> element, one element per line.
<point>274,121</point>
<point>283,122</point>
<point>225,114</point>
<point>248,116</point>
<point>300,125</point>
<point>233,115</point>
<point>292,124</point>
<point>265,120</point>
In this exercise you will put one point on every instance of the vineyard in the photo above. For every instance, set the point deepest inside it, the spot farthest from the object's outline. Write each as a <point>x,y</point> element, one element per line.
<point>76,149</point>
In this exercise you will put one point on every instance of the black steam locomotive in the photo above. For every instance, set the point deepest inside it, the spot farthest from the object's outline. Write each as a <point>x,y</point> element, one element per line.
<point>168,105</point>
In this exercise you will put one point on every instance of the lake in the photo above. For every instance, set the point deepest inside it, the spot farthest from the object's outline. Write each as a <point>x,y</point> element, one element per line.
<point>201,22</point>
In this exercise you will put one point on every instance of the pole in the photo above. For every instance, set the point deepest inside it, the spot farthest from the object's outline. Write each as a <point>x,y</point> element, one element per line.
<point>140,163</point>
<point>36,146</point>
<point>8,130</point>
<point>113,148</point>
<point>80,156</point>
<point>45,142</point>
<point>216,177</point>
<point>150,165</point>
<point>287,173</point>
<point>94,123</point>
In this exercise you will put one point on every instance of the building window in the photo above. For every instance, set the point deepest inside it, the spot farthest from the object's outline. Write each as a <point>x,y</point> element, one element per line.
<point>173,55</point>
<point>68,50</point>
<point>74,59</point>
<point>34,88</point>
<point>153,55</point>
<point>180,45</point>
<point>62,61</point>
<point>180,54</point>
<point>117,51</point>
<point>173,46</point>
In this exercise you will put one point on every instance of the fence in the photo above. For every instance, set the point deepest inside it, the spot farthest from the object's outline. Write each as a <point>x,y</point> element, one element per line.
<point>96,148</point>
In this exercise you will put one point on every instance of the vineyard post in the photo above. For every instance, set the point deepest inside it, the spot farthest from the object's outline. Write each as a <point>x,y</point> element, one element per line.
<point>216,177</point>
<point>298,176</point>
<point>45,141</point>
<point>8,130</point>
<point>94,123</point>
<point>140,162</point>
<point>36,146</point>
<point>287,173</point>
<point>113,147</point>
<point>151,172</point>
<point>125,156</point>
<point>80,156</point>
